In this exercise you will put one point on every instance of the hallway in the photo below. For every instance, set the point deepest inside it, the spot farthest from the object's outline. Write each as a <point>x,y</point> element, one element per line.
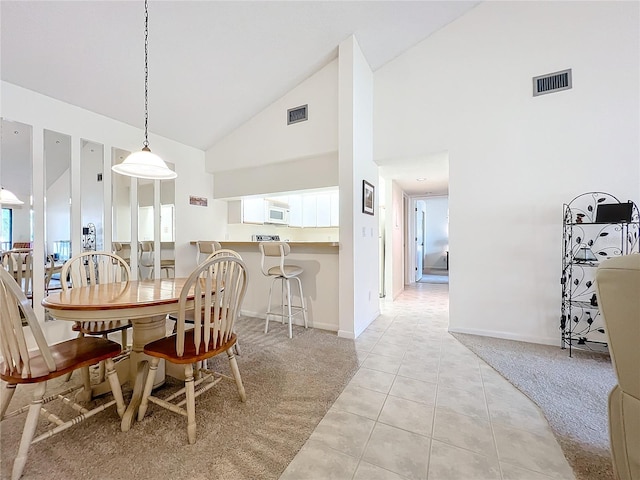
<point>422,406</point>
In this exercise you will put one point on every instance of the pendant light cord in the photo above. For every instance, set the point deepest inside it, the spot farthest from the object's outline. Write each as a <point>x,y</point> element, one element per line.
<point>146,73</point>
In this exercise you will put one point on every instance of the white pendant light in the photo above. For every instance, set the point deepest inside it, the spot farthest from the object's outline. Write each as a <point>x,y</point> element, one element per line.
<point>144,164</point>
<point>9,198</point>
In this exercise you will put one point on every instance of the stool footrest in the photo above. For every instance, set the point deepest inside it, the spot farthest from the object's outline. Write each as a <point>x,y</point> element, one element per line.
<point>285,313</point>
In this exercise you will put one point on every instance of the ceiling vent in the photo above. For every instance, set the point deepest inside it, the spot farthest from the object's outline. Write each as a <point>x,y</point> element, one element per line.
<point>552,82</point>
<point>298,114</point>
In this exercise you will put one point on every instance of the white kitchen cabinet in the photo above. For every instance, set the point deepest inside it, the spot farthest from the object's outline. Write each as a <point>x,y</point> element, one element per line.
<point>295,210</point>
<point>234,211</point>
<point>309,210</point>
<point>323,210</point>
<point>253,210</point>
<point>335,209</point>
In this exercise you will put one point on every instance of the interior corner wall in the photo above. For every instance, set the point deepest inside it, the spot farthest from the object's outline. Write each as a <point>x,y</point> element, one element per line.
<point>395,238</point>
<point>359,253</point>
<point>514,158</point>
<point>267,138</point>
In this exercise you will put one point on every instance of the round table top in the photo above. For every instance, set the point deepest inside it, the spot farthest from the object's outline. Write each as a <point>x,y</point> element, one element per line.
<point>134,299</point>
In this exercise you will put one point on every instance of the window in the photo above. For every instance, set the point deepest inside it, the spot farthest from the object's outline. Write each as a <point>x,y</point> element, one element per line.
<point>7,229</point>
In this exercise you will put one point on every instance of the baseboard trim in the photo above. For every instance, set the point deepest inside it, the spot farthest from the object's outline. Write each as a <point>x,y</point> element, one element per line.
<point>296,321</point>
<point>346,334</point>
<point>508,336</point>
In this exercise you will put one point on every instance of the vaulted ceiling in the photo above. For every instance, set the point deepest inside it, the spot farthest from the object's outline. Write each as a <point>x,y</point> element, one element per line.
<point>212,64</point>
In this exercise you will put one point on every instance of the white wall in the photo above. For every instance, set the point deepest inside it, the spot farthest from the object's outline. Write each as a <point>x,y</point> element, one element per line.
<point>272,140</point>
<point>436,240</point>
<point>359,252</point>
<point>44,112</point>
<point>266,155</point>
<point>58,211</point>
<point>395,241</point>
<point>515,159</point>
<point>307,173</point>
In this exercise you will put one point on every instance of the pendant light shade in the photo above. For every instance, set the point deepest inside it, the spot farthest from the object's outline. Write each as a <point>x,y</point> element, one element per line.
<point>8,198</point>
<point>144,164</point>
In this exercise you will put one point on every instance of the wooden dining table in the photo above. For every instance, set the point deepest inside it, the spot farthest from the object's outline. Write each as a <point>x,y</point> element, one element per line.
<point>146,303</point>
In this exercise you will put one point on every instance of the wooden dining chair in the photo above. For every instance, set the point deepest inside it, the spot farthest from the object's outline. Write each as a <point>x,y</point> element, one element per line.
<point>93,268</point>
<point>51,268</point>
<point>21,366</point>
<point>123,250</point>
<point>19,263</point>
<point>218,287</point>
<point>189,315</point>
<point>205,249</point>
<point>146,259</point>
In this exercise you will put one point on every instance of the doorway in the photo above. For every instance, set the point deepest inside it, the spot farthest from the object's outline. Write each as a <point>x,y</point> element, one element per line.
<point>420,236</point>
<point>431,233</point>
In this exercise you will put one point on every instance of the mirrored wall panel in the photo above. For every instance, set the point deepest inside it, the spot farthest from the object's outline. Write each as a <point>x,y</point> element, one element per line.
<point>146,227</point>
<point>92,195</point>
<point>57,165</point>
<point>121,200</point>
<point>57,198</point>
<point>15,177</point>
<point>167,226</point>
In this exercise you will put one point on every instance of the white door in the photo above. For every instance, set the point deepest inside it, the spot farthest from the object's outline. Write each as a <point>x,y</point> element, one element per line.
<point>419,243</point>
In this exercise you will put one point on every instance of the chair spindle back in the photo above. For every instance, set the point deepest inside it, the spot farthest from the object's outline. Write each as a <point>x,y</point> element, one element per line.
<point>217,286</point>
<point>14,308</point>
<point>19,263</point>
<point>93,268</point>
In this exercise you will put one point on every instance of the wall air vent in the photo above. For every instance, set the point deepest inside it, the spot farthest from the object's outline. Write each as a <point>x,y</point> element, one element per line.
<point>552,82</point>
<point>298,114</point>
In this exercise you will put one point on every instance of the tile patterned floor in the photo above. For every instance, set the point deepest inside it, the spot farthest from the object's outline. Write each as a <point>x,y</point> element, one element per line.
<point>424,407</point>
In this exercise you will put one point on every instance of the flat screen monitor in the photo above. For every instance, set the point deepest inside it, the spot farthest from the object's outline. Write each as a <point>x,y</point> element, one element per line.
<point>614,212</point>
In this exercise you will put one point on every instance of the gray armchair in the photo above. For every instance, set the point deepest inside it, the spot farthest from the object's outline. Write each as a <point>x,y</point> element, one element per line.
<point>618,292</point>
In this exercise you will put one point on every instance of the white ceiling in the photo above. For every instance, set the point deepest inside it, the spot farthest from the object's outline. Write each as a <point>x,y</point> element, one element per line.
<point>427,175</point>
<point>212,64</point>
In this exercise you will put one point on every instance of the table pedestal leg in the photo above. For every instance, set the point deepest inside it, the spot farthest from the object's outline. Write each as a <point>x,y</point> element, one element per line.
<point>145,330</point>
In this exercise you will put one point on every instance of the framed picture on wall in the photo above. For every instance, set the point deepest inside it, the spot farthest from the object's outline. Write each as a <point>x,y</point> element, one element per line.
<point>368,198</point>
<point>199,201</point>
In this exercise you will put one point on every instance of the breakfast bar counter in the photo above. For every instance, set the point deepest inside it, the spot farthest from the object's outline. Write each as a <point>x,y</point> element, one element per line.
<point>307,245</point>
<point>319,260</point>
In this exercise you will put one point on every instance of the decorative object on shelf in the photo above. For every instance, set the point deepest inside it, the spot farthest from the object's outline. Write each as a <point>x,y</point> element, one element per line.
<point>368,198</point>
<point>596,226</point>
<point>144,164</point>
<point>584,254</point>
<point>89,237</point>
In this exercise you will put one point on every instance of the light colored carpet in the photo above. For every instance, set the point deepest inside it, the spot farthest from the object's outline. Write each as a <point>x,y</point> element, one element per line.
<point>290,385</point>
<point>572,392</point>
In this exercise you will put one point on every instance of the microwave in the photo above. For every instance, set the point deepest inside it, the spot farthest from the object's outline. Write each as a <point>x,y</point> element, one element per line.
<point>276,214</point>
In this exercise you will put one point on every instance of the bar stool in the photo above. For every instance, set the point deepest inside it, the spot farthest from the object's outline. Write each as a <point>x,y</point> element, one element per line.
<point>284,273</point>
<point>205,249</point>
<point>146,259</point>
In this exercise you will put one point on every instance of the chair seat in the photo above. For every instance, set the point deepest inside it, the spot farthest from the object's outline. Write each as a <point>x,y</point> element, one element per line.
<point>68,356</point>
<point>166,348</point>
<point>289,271</point>
<point>167,263</point>
<point>101,328</point>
